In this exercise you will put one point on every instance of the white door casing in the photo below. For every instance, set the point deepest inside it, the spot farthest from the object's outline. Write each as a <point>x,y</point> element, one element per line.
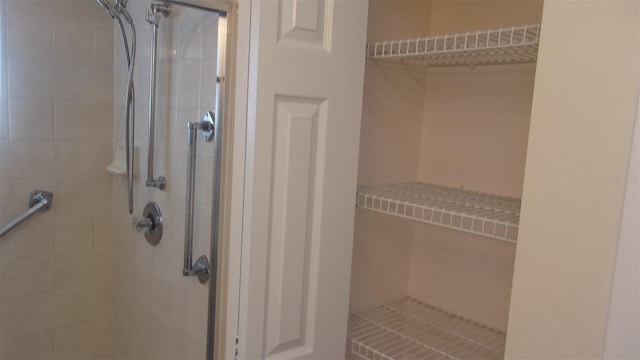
<point>306,69</point>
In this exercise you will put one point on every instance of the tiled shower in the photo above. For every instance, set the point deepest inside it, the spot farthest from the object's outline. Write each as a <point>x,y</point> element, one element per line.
<point>78,281</point>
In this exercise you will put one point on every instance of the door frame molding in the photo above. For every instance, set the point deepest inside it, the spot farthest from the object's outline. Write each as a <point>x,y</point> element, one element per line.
<point>235,190</point>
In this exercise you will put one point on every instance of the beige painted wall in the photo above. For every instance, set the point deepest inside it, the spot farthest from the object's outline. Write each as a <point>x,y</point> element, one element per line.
<point>581,126</point>
<point>55,134</point>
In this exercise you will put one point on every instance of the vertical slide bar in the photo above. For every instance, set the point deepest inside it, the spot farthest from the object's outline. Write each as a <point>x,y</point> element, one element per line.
<point>153,18</point>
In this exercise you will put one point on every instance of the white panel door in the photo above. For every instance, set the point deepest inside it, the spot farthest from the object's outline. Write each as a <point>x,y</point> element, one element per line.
<point>304,106</point>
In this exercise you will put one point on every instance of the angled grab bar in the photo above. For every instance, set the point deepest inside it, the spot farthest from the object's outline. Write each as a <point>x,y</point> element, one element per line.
<point>201,268</point>
<point>153,18</point>
<point>39,200</point>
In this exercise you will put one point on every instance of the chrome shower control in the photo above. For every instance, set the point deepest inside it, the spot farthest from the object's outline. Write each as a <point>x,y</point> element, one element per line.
<point>150,223</point>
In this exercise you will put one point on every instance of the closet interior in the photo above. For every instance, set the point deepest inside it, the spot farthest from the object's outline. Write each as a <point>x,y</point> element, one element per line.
<point>442,152</point>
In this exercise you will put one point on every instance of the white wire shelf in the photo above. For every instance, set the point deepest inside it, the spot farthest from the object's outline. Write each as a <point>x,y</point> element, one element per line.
<point>513,45</point>
<point>409,329</point>
<point>492,216</point>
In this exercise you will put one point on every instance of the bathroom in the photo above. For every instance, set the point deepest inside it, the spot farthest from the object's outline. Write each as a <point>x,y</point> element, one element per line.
<point>90,276</point>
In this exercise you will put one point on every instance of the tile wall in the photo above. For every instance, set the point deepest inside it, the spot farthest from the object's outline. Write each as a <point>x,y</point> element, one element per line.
<point>160,313</point>
<point>77,281</point>
<point>56,119</point>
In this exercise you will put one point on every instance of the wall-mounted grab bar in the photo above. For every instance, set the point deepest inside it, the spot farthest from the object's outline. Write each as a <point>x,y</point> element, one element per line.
<point>153,18</point>
<point>201,268</point>
<point>39,200</point>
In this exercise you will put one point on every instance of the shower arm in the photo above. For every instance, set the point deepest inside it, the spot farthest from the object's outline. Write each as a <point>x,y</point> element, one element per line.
<point>153,18</point>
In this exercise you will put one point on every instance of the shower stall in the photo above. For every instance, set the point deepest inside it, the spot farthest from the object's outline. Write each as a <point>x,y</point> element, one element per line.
<point>79,80</point>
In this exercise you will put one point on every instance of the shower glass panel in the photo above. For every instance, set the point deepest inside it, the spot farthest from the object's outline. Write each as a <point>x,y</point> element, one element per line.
<point>78,281</point>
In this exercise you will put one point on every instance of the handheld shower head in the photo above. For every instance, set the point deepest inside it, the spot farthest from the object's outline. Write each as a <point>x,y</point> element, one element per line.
<point>107,7</point>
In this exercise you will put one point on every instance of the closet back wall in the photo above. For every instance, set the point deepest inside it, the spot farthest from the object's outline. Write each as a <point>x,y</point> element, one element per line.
<point>56,134</point>
<point>474,135</point>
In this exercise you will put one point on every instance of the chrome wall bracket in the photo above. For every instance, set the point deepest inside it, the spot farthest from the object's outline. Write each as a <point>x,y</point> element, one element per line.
<point>38,200</point>
<point>151,223</point>
<point>199,269</point>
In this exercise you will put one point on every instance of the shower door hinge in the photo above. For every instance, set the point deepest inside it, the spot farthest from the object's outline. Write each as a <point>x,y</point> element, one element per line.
<point>236,356</point>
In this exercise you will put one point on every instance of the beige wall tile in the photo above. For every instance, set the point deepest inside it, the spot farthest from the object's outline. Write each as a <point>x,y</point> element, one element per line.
<point>104,266</point>
<point>77,12</point>
<point>104,83</point>
<point>4,160</point>
<point>161,297</point>
<point>202,230</point>
<point>166,262</point>
<point>74,305</point>
<point>75,197</point>
<point>189,83</point>
<point>74,43</point>
<point>36,345</point>
<point>179,311</point>
<point>208,85</point>
<point>210,39</point>
<point>74,341</point>
<point>73,233</point>
<point>74,269</point>
<point>106,301</point>
<point>74,120</point>
<point>103,231</point>
<point>30,39</point>
<point>161,343</point>
<point>57,141</point>
<point>30,119</point>
<point>30,160</point>
<point>74,160</point>
<point>4,115</point>
<point>104,46</point>
<point>33,313</point>
<point>196,317</point>
<point>103,115</point>
<point>30,276</point>
<point>74,82</point>
<point>102,190</point>
<point>144,284</point>
<point>185,347</point>
<point>30,78</point>
<point>103,334</point>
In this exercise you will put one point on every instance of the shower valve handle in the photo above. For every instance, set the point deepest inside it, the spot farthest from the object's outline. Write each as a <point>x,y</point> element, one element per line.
<point>142,224</point>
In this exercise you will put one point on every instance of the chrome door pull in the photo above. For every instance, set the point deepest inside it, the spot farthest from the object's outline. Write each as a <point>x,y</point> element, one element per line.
<point>201,268</point>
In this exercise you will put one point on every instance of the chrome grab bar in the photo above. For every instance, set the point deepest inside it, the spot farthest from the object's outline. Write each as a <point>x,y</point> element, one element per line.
<point>153,18</point>
<point>201,268</point>
<point>39,200</point>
